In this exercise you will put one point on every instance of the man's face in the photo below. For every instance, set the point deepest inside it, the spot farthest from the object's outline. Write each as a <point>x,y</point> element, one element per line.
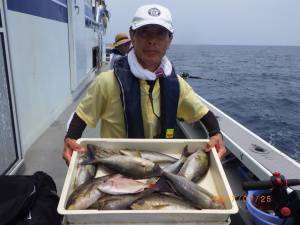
<point>124,47</point>
<point>150,43</point>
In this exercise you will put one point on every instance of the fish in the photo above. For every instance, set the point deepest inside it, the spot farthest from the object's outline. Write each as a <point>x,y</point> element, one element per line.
<point>200,197</point>
<point>196,166</point>
<point>159,201</point>
<point>130,166</point>
<point>119,185</point>
<point>119,202</point>
<point>86,194</point>
<point>85,172</point>
<point>155,157</point>
<point>174,167</point>
<point>101,152</point>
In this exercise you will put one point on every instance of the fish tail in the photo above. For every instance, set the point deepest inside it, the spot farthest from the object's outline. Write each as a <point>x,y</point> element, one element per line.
<point>185,152</point>
<point>143,194</point>
<point>162,185</point>
<point>152,181</point>
<point>157,170</point>
<point>91,151</point>
<point>88,162</point>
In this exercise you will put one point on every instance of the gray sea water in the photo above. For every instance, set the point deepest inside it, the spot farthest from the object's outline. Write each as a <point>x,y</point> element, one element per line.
<point>259,86</point>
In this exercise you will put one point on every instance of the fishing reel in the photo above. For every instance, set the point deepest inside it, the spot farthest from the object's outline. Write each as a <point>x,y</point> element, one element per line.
<point>284,204</point>
<point>184,75</point>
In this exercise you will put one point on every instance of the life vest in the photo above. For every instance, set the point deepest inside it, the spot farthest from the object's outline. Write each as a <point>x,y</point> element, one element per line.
<point>131,101</point>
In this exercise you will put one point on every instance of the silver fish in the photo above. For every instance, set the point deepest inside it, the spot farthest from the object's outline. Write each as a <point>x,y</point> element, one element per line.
<point>161,202</point>
<point>86,194</point>
<point>119,202</point>
<point>130,166</point>
<point>200,198</point>
<point>155,157</point>
<point>196,166</point>
<point>174,167</point>
<point>85,172</point>
<point>101,152</point>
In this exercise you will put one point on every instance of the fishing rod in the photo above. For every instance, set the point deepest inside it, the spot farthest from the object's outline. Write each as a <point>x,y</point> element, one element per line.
<point>186,75</point>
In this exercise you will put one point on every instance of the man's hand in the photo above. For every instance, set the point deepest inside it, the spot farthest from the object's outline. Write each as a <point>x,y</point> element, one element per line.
<point>217,142</point>
<point>70,146</point>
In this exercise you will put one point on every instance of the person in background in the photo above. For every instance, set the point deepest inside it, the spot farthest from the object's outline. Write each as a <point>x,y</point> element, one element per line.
<point>142,97</point>
<point>121,47</point>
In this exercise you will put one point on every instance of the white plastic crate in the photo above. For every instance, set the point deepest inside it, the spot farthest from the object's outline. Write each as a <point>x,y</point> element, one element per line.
<point>215,181</point>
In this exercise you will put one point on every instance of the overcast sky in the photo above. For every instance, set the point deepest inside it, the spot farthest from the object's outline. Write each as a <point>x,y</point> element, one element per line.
<point>233,22</point>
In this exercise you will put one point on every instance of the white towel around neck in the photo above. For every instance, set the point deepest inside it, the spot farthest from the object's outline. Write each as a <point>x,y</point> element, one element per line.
<point>144,74</point>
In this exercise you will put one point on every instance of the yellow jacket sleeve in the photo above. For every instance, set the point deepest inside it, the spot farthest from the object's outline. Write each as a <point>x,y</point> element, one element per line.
<point>93,104</point>
<point>190,107</point>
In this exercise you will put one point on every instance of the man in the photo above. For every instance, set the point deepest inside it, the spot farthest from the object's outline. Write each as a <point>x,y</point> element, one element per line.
<point>142,97</point>
<point>121,47</point>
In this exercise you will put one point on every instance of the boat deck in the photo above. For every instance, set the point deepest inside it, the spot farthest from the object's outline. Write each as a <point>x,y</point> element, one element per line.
<point>46,155</point>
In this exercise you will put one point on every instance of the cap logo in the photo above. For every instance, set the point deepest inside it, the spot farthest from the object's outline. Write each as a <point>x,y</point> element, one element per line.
<point>154,12</point>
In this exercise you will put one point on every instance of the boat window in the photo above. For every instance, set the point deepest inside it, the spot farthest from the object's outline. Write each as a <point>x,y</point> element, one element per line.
<point>96,57</point>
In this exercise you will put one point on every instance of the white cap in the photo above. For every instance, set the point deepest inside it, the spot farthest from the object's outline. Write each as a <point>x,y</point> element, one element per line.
<point>152,14</point>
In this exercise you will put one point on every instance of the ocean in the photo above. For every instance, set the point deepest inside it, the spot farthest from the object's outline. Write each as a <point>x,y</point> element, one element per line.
<point>258,86</point>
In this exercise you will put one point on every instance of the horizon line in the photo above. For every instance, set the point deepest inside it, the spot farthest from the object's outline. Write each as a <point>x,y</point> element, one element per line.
<point>254,45</point>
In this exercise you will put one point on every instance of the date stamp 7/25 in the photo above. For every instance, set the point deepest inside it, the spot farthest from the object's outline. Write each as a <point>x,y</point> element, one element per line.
<point>243,198</point>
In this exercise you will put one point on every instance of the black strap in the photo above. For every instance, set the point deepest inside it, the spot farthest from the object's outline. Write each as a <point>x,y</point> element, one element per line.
<point>151,87</point>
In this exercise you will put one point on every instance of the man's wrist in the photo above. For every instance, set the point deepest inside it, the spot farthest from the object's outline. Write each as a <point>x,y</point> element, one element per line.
<point>211,124</point>
<point>66,139</point>
<point>213,133</point>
